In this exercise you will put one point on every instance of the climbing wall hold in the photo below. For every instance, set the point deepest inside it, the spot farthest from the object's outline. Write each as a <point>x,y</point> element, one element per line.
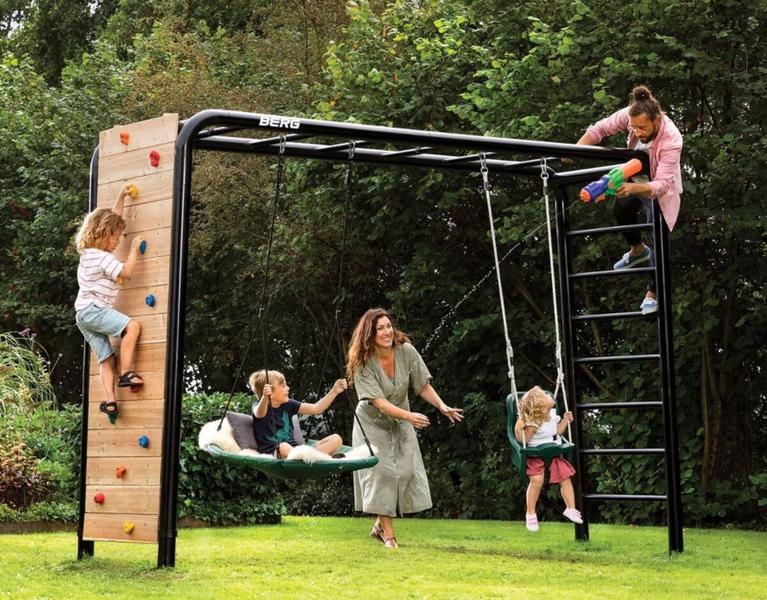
<point>112,418</point>
<point>142,247</point>
<point>99,498</point>
<point>133,191</point>
<point>124,138</point>
<point>129,526</point>
<point>150,300</point>
<point>120,471</point>
<point>154,158</point>
<point>143,441</point>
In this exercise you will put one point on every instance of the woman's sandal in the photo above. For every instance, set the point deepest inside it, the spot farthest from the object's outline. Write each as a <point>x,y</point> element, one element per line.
<point>391,542</point>
<point>377,533</point>
<point>128,379</point>
<point>109,408</point>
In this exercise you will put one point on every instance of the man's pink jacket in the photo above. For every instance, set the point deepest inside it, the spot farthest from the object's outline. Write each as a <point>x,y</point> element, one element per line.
<point>665,154</point>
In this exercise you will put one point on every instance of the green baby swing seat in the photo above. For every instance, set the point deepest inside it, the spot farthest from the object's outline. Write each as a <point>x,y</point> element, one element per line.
<point>520,454</point>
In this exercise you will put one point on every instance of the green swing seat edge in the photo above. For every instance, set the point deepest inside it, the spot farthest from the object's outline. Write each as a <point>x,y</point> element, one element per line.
<point>519,455</point>
<point>293,469</point>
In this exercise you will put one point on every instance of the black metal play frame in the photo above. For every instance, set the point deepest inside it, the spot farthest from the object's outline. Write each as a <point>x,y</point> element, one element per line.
<point>211,130</point>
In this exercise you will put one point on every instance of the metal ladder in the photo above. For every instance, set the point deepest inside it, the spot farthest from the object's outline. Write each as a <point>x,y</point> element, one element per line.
<point>665,358</point>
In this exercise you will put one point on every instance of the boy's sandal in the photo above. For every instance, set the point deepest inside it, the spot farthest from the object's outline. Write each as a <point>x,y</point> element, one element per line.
<point>391,542</point>
<point>109,408</point>
<point>377,533</point>
<point>129,379</point>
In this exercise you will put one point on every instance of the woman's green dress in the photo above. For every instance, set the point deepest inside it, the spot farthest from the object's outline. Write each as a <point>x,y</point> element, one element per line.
<point>398,483</point>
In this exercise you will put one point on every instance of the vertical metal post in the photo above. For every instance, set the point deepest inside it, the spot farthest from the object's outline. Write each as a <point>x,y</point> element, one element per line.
<point>174,362</point>
<point>85,547</point>
<point>565,294</point>
<point>668,387</point>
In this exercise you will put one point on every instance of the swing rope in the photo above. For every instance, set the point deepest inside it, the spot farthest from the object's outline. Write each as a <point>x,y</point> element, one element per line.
<point>254,331</point>
<point>348,180</point>
<point>509,349</point>
<point>558,343</point>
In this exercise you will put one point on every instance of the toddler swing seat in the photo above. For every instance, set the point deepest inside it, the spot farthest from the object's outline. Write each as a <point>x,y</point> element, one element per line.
<point>520,453</point>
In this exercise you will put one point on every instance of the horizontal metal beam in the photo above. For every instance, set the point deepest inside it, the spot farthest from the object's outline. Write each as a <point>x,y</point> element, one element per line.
<point>366,155</point>
<point>612,229</point>
<point>634,451</point>
<point>614,359</point>
<point>613,273</point>
<point>630,497</point>
<point>634,314</point>
<point>619,405</point>
<point>397,135</point>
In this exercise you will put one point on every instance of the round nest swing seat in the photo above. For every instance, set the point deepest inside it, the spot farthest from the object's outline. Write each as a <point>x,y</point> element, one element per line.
<point>293,469</point>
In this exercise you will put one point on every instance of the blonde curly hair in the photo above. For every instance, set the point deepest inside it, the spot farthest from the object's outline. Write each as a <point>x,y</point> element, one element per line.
<point>97,227</point>
<point>532,409</point>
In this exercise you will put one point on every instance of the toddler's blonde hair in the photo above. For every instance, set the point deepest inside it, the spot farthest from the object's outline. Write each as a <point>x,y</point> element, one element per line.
<point>257,380</point>
<point>532,409</point>
<point>98,226</point>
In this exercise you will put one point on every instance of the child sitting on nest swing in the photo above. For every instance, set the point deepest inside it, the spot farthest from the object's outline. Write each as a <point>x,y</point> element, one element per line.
<point>273,414</point>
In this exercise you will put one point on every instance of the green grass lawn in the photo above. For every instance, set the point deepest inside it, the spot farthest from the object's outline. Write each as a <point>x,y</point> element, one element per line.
<point>306,557</point>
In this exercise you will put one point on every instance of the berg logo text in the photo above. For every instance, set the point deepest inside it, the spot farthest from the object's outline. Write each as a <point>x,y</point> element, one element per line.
<point>281,122</point>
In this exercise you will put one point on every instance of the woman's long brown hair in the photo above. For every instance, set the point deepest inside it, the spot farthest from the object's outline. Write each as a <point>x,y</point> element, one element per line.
<point>362,345</point>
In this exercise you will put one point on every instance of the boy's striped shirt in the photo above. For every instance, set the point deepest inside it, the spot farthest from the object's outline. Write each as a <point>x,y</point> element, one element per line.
<point>97,276</point>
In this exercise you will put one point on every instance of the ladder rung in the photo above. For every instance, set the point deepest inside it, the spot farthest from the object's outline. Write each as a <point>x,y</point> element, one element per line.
<point>613,229</point>
<point>639,451</point>
<point>611,316</point>
<point>609,359</point>
<point>642,497</point>
<point>610,405</point>
<point>612,273</point>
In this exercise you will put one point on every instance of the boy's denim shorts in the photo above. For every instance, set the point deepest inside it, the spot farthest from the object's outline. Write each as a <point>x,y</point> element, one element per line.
<point>97,324</point>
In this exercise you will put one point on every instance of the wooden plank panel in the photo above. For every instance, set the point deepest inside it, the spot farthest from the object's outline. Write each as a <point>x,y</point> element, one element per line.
<point>149,272</point>
<point>133,302</point>
<point>151,188</point>
<point>142,471</point>
<point>157,245</point>
<point>153,388</point>
<point>122,443</point>
<point>148,217</point>
<point>149,357</point>
<point>107,528</point>
<point>137,500</point>
<point>135,163</point>
<point>154,328</point>
<point>140,415</point>
<point>143,134</point>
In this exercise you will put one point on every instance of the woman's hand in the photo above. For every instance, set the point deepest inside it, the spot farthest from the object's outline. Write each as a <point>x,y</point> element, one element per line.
<point>340,386</point>
<point>418,420</point>
<point>454,414</point>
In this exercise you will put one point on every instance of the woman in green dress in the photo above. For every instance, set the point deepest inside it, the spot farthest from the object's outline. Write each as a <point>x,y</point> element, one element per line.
<point>383,366</point>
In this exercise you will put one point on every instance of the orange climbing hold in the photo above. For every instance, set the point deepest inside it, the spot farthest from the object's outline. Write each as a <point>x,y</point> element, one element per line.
<point>124,138</point>
<point>120,471</point>
<point>154,158</point>
<point>129,526</point>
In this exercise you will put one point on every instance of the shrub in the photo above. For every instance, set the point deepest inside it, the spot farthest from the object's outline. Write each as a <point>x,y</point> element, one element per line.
<point>21,481</point>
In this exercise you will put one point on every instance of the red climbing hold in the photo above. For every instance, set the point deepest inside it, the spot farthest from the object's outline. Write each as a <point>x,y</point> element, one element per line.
<point>154,158</point>
<point>99,498</point>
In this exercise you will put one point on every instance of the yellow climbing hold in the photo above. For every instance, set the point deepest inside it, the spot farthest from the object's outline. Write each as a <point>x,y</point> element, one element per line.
<point>129,526</point>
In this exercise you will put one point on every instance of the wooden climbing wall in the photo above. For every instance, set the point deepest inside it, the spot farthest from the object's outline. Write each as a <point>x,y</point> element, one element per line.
<point>133,499</point>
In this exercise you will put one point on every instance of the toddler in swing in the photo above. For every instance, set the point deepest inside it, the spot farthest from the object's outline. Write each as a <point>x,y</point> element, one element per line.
<point>99,276</point>
<point>538,424</point>
<point>273,414</point>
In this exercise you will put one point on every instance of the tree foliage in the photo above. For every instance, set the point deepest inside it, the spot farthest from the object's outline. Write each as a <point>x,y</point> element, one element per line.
<point>417,240</point>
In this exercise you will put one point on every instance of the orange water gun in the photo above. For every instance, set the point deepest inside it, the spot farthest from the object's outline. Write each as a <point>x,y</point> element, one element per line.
<point>608,184</point>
